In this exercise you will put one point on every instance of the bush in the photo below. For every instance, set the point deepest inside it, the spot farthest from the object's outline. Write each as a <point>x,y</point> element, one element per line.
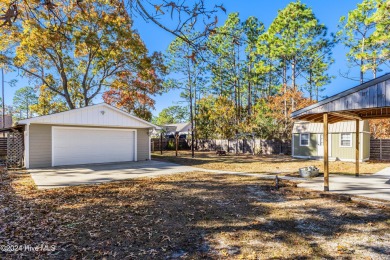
<point>171,145</point>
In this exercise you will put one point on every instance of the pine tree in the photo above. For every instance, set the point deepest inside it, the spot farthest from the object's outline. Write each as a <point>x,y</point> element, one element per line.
<point>356,33</point>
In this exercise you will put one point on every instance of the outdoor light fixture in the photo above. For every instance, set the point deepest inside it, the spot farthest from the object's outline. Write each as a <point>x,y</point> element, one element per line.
<point>102,112</point>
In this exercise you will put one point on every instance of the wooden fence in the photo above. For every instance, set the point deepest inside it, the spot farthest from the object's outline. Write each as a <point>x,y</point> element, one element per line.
<point>3,146</point>
<point>257,146</point>
<point>169,144</point>
<point>380,149</point>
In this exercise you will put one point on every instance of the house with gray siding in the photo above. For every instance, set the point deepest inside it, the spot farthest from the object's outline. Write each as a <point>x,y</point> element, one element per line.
<point>95,134</point>
<point>307,140</point>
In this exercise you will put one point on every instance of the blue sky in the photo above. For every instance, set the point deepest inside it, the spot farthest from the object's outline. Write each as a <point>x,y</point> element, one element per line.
<point>327,11</point>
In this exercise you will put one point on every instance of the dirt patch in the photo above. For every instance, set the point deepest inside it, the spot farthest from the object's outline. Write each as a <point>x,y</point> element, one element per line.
<point>264,164</point>
<point>188,216</point>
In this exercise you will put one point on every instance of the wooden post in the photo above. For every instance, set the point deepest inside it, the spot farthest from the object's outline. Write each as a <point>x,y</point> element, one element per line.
<point>177,142</point>
<point>161,143</point>
<point>357,145</point>
<point>254,144</point>
<point>326,156</point>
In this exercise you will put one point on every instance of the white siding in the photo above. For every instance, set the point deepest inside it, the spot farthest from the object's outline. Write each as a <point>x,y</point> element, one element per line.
<point>97,115</point>
<point>143,145</point>
<point>39,146</point>
<point>341,127</point>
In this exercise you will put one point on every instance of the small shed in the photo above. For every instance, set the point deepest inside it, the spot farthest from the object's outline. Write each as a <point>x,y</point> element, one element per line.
<point>308,140</point>
<point>369,100</point>
<point>94,134</point>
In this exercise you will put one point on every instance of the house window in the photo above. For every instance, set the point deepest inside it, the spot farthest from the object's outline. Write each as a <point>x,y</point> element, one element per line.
<point>345,140</point>
<point>304,140</point>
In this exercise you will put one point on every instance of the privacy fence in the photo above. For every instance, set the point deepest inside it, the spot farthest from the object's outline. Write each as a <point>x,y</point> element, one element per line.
<point>380,149</point>
<point>257,146</point>
<point>3,146</point>
<point>12,150</point>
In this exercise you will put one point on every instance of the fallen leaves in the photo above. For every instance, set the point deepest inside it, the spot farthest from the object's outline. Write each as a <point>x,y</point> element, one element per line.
<point>192,215</point>
<point>264,164</point>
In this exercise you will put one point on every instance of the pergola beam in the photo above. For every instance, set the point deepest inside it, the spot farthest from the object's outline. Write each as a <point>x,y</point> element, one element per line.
<point>346,115</point>
<point>363,117</point>
<point>333,119</point>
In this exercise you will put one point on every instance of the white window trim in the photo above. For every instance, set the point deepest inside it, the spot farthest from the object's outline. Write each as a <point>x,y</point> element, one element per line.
<point>350,134</point>
<point>319,138</point>
<point>300,139</point>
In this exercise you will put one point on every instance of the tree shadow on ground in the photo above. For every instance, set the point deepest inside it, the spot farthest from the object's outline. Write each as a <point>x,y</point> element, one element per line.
<point>193,215</point>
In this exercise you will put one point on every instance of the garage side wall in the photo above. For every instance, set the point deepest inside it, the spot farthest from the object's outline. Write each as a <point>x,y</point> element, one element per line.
<point>143,146</point>
<point>40,146</point>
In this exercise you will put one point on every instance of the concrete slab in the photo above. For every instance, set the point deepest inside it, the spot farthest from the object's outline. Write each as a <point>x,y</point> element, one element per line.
<point>56,177</point>
<point>375,186</point>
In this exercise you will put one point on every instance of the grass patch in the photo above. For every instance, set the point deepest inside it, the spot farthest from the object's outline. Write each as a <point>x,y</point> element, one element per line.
<point>190,216</point>
<point>264,164</point>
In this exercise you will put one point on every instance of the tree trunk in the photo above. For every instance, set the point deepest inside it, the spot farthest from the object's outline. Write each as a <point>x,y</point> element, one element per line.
<point>67,97</point>
<point>195,120</point>
<point>191,108</point>
<point>293,73</point>
<point>238,83</point>
<point>249,91</point>
<point>285,98</point>
<point>220,77</point>
<point>285,88</point>
<point>293,79</point>
<point>310,86</point>
<point>27,108</point>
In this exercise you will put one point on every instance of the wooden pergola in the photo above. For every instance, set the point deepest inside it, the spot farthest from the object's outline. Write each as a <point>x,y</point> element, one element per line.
<point>370,100</point>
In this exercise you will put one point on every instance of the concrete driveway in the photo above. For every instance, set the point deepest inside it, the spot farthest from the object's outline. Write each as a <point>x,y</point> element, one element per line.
<point>375,186</point>
<point>48,178</point>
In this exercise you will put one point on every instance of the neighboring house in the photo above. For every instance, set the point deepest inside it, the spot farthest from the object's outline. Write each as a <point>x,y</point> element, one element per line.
<point>307,140</point>
<point>94,134</point>
<point>7,122</point>
<point>183,129</point>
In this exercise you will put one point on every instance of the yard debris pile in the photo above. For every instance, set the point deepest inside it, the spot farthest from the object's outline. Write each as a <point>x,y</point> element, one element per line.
<point>309,172</point>
<point>192,215</point>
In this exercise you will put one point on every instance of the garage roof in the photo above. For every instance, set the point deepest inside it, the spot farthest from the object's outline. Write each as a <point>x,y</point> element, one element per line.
<point>95,115</point>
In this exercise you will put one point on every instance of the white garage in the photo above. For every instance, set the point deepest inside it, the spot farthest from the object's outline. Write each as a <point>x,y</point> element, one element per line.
<point>81,145</point>
<point>89,135</point>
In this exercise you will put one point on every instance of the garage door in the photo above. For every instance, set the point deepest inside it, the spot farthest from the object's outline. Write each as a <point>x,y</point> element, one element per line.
<point>75,145</point>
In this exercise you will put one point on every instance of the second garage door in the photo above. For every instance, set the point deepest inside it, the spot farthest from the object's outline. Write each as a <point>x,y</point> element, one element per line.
<point>76,145</point>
